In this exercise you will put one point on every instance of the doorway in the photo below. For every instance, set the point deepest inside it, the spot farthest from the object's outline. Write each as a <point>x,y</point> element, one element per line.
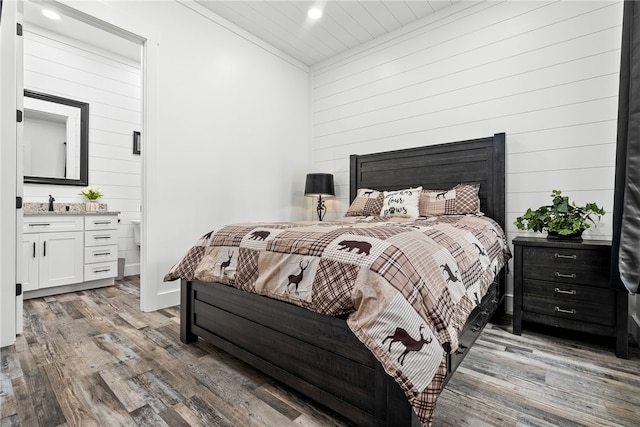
<point>79,57</point>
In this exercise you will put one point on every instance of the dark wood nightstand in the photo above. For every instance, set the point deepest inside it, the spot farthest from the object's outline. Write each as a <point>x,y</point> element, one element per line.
<point>567,285</point>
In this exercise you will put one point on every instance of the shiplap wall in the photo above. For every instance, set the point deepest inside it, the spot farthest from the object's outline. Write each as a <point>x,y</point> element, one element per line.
<point>111,84</point>
<point>546,73</point>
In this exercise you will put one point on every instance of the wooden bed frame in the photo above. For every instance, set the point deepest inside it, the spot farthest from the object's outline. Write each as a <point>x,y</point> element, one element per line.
<point>318,355</point>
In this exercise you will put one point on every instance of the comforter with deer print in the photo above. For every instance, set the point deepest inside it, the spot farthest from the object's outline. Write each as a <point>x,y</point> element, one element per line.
<point>407,285</point>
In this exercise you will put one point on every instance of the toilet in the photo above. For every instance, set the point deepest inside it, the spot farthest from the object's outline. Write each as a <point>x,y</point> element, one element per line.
<point>136,231</point>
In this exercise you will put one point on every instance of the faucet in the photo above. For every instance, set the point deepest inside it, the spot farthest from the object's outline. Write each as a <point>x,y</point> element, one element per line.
<point>51,199</point>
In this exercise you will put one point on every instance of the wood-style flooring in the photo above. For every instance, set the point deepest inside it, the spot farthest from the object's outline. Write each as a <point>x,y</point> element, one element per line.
<point>92,358</point>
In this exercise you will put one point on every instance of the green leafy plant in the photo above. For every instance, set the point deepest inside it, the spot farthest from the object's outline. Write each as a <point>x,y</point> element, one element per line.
<point>91,192</point>
<point>562,217</point>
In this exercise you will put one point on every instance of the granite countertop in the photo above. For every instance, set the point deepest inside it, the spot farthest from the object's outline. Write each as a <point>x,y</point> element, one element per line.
<point>42,209</point>
<point>62,213</point>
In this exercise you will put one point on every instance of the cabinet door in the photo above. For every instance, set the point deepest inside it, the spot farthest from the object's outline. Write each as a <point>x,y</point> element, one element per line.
<point>30,258</point>
<point>62,258</point>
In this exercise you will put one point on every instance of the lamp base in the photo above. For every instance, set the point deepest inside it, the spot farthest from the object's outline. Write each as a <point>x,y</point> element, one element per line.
<point>321,208</point>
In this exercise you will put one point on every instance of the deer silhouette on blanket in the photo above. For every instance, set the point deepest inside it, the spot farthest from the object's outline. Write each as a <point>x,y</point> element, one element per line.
<point>297,278</point>
<point>480,250</point>
<point>452,277</point>
<point>227,263</point>
<point>410,344</point>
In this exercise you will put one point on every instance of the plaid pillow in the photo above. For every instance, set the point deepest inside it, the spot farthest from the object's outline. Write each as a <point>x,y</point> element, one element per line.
<point>461,199</point>
<point>367,203</point>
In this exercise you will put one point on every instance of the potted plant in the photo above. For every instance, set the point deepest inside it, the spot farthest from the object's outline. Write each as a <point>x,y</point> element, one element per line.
<point>562,219</point>
<point>92,194</point>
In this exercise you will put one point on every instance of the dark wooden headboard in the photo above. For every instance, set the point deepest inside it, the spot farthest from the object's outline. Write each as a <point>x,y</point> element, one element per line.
<point>438,167</point>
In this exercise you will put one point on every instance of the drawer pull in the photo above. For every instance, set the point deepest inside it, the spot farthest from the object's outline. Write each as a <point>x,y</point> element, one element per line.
<point>109,253</point>
<point>105,270</point>
<point>485,312</point>
<point>565,256</point>
<point>101,222</point>
<point>39,224</point>
<point>476,328</point>
<point>560,291</point>
<point>566,276</point>
<point>560,310</point>
<point>108,237</point>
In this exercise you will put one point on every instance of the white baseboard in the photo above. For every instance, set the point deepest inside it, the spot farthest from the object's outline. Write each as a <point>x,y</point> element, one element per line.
<point>508,301</point>
<point>168,299</point>
<point>37,293</point>
<point>132,269</point>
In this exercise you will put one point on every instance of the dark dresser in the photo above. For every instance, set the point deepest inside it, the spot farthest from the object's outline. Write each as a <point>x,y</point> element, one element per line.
<point>566,284</point>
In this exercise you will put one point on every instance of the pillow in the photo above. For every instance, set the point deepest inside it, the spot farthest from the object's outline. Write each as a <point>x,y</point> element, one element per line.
<point>460,200</point>
<point>367,203</point>
<point>403,203</point>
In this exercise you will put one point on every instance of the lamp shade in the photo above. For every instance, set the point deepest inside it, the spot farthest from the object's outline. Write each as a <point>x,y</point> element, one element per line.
<point>319,184</point>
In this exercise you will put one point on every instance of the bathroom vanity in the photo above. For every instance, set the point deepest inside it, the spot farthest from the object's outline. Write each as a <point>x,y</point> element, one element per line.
<point>68,251</point>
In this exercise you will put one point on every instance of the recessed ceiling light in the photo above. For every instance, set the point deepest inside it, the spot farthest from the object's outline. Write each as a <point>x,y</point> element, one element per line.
<point>314,13</point>
<point>50,14</point>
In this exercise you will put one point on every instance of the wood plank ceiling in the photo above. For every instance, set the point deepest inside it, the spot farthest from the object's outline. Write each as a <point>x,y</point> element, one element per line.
<point>343,25</point>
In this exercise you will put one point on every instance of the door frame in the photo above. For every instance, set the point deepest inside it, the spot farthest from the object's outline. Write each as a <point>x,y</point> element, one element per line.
<point>11,73</point>
<point>10,104</point>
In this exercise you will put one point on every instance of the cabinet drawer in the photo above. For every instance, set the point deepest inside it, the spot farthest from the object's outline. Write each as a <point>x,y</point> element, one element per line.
<point>100,222</point>
<point>94,254</point>
<point>576,302</point>
<point>100,238</point>
<point>102,270</point>
<point>47,224</point>
<point>588,267</point>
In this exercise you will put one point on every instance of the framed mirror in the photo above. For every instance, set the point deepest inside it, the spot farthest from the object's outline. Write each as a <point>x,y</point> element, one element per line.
<point>56,140</point>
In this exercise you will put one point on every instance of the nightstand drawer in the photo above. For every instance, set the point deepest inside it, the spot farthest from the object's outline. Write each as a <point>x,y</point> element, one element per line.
<point>588,267</point>
<point>576,302</point>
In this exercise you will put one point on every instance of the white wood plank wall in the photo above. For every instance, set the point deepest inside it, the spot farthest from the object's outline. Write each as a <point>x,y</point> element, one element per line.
<point>546,73</point>
<point>111,84</point>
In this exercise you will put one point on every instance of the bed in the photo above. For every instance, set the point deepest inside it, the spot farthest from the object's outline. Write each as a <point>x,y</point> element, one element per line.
<point>319,355</point>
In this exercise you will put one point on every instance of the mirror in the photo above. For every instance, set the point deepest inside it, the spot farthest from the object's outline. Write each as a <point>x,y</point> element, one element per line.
<point>56,140</point>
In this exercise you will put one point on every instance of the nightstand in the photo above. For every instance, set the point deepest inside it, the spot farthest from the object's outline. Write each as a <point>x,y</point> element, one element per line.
<point>566,284</point>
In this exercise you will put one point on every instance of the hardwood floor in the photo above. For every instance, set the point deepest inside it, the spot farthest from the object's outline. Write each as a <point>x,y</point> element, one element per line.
<point>92,358</point>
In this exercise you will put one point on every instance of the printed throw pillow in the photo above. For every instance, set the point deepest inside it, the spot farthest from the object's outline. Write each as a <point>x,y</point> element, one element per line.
<point>460,200</point>
<point>367,203</point>
<point>403,203</point>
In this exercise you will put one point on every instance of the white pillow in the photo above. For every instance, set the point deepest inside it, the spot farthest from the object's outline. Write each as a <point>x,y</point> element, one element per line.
<point>403,203</point>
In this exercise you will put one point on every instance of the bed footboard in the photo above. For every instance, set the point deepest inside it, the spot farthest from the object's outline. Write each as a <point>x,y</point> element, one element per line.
<point>316,355</point>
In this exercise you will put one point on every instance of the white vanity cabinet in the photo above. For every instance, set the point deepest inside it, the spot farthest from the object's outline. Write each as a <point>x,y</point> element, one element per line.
<point>53,251</point>
<point>66,253</point>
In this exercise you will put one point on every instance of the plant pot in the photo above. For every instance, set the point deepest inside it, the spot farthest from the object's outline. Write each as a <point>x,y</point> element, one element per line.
<point>576,237</point>
<point>91,206</point>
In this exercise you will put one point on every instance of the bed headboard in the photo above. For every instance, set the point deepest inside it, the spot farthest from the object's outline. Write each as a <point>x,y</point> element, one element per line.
<point>439,167</point>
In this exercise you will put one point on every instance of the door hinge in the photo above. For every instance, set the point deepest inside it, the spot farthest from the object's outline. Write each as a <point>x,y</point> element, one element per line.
<point>19,29</point>
<point>19,116</point>
<point>18,289</point>
<point>18,202</point>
